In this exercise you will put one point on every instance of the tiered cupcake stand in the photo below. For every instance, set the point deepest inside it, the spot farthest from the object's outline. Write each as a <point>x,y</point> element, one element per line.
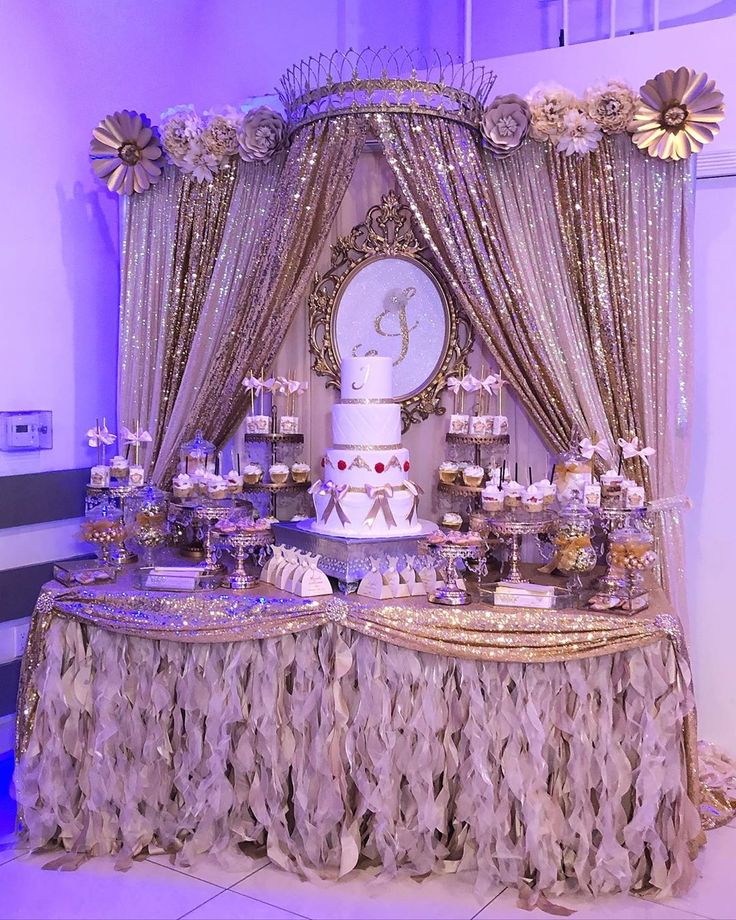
<point>276,443</point>
<point>484,449</point>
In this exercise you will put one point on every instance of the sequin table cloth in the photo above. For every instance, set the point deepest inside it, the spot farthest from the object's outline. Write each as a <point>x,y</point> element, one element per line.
<point>551,751</point>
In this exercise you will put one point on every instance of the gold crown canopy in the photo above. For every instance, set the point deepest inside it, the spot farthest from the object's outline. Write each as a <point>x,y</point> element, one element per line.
<point>380,80</point>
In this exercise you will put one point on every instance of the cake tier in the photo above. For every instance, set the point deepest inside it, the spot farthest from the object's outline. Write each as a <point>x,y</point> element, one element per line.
<point>366,378</point>
<point>356,507</point>
<point>376,426</point>
<point>357,468</point>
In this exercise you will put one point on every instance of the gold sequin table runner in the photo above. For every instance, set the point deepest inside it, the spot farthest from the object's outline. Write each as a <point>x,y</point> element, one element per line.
<point>545,750</point>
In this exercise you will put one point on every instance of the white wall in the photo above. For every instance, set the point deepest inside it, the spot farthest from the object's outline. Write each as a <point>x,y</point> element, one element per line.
<point>710,536</point>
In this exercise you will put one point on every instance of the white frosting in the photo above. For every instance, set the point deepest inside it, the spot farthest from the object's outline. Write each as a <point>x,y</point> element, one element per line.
<point>376,424</point>
<point>366,378</point>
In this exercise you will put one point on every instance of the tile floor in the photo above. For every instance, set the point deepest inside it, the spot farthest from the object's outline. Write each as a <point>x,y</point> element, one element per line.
<point>154,890</point>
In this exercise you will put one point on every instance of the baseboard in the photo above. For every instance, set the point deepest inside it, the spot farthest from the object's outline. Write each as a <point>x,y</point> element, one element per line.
<point>7,733</point>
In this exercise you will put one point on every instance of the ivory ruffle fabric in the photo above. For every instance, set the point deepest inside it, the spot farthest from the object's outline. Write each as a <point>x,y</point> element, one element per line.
<point>333,747</point>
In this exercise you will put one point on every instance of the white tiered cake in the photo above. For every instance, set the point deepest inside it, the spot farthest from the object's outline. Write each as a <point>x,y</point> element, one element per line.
<point>366,490</point>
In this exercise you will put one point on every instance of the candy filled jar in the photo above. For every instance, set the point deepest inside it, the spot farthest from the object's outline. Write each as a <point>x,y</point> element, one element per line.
<point>575,554</point>
<point>631,554</point>
<point>197,455</point>
<point>146,514</point>
<point>573,472</point>
<point>105,528</point>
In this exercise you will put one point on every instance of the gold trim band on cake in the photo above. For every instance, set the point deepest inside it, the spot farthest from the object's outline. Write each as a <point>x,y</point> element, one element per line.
<point>368,402</point>
<point>365,447</point>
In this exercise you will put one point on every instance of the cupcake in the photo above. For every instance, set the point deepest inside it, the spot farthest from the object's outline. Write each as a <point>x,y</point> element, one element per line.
<point>217,488</point>
<point>549,491</point>
<point>448,471</point>
<point>234,481</point>
<point>252,473</point>
<point>492,499</point>
<point>119,468</point>
<point>278,473</point>
<point>199,482</point>
<point>452,521</point>
<point>512,492</point>
<point>473,475</point>
<point>299,472</point>
<point>533,499</point>
<point>181,486</point>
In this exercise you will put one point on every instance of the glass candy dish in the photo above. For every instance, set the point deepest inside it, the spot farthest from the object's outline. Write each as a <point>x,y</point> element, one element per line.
<point>146,514</point>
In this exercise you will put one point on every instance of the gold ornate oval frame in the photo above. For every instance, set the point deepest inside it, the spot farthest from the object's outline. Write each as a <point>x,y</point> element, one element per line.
<point>387,232</point>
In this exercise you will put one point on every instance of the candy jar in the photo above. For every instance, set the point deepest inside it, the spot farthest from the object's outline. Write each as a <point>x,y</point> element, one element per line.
<point>631,552</point>
<point>105,529</point>
<point>197,455</point>
<point>572,473</point>
<point>146,513</point>
<point>575,554</point>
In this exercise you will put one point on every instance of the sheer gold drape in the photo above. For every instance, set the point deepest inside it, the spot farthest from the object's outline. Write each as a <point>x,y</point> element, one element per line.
<point>576,272</point>
<point>316,173</point>
<point>171,239</point>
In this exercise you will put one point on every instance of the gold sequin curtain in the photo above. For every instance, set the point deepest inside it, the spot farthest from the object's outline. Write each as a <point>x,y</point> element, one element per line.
<point>318,167</point>
<point>171,239</point>
<point>576,272</point>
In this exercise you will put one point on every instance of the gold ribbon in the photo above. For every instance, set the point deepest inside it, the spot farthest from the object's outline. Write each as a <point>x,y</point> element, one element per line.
<point>566,471</point>
<point>336,493</point>
<point>380,496</point>
<point>567,547</point>
<point>416,491</point>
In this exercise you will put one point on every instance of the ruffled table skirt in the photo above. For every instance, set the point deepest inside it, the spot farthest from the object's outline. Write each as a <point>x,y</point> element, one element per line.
<point>333,747</point>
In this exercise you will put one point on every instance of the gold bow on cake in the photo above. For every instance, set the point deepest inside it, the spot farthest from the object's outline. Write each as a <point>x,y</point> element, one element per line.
<point>380,496</point>
<point>416,491</point>
<point>336,493</point>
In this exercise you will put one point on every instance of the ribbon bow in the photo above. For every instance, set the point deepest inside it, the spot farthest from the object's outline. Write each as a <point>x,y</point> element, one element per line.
<point>470,383</point>
<point>336,493</point>
<point>98,436</point>
<point>588,448</point>
<point>136,437</point>
<point>489,384</point>
<point>455,384</point>
<point>416,491</point>
<point>258,384</point>
<point>380,496</point>
<point>631,449</point>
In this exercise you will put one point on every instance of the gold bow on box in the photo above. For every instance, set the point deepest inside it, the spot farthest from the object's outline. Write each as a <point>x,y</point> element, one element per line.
<point>380,496</point>
<point>336,493</point>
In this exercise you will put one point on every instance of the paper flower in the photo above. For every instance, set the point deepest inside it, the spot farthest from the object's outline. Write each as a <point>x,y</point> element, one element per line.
<point>580,133</point>
<point>505,124</point>
<point>199,163</point>
<point>611,106</point>
<point>548,103</point>
<point>261,134</point>
<point>679,113</point>
<point>631,449</point>
<point>220,134</point>
<point>125,152</point>
<point>181,132</point>
<point>588,448</point>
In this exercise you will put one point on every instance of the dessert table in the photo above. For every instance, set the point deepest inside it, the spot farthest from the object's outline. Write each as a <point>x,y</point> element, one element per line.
<point>552,751</point>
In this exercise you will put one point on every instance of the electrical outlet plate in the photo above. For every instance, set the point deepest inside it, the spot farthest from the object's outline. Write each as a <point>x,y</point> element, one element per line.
<point>27,430</point>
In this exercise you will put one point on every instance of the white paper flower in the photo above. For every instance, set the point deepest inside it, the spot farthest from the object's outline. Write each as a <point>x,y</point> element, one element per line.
<point>612,106</point>
<point>262,133</point>
<point>125,152</point>
<point>220,135</point>
<point>181,132</point>
<point>548,104</point>
<point>505,124</point>
<point>200,163</point>
<point>580,133</point>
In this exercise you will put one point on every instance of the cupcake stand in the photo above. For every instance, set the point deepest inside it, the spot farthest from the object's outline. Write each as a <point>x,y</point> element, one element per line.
<point>278,445</point>
<point>486,450</point>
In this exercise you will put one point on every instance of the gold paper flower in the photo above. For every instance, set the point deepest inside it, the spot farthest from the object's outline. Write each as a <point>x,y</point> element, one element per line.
<point>505,124</point>
<point>548,103</point>
<point>125,152</point>
<point>611,106</point>
<point>262,133</point>
<point>679,114</point>
<point>181,132</point>
<point>220,136</point>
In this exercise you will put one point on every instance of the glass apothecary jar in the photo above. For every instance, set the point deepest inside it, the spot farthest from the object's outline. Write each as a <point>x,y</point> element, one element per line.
<point>197,454</point>
<point>575,554</point>
<point>146,514</point>
<point>573,472</point>
<point>106,530</point>
<point>631,554</point>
